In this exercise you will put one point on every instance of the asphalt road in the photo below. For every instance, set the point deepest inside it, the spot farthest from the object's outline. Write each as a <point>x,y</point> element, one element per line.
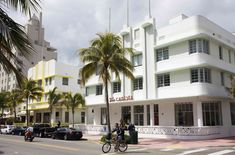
<point>15,145</point>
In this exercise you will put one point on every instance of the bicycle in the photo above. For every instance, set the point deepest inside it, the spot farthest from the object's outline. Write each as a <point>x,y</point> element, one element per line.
<point>122,147</point>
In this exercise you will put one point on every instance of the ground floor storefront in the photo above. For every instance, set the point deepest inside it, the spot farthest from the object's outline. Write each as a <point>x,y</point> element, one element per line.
<point>186,118</point>
<point>59,114</point>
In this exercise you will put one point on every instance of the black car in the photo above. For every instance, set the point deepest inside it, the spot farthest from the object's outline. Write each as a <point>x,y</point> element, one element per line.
<point>18,131</point>
<point>67,133</point>
<point>47,131</point>
<point>37,127</point>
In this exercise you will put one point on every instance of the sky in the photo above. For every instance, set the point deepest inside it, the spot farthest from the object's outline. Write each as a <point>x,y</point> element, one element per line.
<point>72,24</point>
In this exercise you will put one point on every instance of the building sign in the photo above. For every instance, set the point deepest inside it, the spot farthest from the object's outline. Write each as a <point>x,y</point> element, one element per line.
<point>123,98</point>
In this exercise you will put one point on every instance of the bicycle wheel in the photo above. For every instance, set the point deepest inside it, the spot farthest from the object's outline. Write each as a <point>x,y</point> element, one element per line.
<point>122,147</point>
<point>106,147</point>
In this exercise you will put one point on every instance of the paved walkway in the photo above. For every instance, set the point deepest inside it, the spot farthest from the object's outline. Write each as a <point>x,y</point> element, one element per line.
<point>173,143</point>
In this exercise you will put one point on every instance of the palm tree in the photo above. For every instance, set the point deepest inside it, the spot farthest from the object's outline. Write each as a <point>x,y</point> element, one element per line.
<point>12,35</point>
<point>30,91</point>
<point>74,101</point>
<point>15,98</point>
<point>106,54</point>
<point>53,99</point>
<point>4,100</point>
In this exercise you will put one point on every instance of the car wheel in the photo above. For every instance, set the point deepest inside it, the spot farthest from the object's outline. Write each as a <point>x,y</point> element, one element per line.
<point>12,133</point>
<point>53,136</point>
<point>65,137</point>
<point>20,133</point>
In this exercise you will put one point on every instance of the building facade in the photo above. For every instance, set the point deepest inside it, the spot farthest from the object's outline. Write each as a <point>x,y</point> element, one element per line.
<point>48,75</point>
<point>43,51</point>
<point>183,74</point>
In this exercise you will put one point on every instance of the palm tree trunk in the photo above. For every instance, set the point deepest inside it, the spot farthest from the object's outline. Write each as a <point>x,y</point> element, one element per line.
<point>107,105</point>
<point>27,112</point>
<point>73,117</point>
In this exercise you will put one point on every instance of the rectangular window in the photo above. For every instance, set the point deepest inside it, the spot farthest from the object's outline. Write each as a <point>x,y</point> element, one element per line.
<point>139,115</point>
<point>232,110</point>
<point>103,116</point>
<point>163,80</point>
<point>40,83</point>
<point>136,34</point>
<point>148,114</point>
<point>79,81</point>
<point>212,115</point>
<point>126,114</point>
<point>65,81</point>
<point>50,79</point>
<point>99,89</point>
<point>156,115</point>
<point>222,78</point>
<point>66,117</point>
<point>162,54</point>
<point>38,117</point>
<point>46,81</point>
<point>199,46</point>
<point>116,87</point>
<point>137,60</point>
<point>221,52</point>
<point>83,114</point>
<point>229,56</point>
<point>200,75</point>
<point>87,91</point>
<point>183,114</point>
<point>138,84</point>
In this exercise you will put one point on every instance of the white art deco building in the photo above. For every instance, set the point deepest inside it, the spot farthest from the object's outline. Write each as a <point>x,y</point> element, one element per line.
<point>183,72</point>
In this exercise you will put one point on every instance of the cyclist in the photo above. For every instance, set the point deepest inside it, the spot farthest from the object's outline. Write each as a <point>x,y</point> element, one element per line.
<point>120,135</point>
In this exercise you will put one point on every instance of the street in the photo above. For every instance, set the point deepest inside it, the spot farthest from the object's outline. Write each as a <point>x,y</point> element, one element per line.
<point>15,145</point>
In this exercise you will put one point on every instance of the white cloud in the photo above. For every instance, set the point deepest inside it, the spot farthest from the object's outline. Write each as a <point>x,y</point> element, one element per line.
<point>71,24</point>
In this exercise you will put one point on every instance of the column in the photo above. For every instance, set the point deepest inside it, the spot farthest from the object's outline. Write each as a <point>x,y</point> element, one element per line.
<point>145,115</point>
<point>151,114</point>
<point>132,114</point>
<point>199,114</point>
<point>62,115</point>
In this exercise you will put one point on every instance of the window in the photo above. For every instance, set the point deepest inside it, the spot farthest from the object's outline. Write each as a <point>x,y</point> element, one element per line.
<point>83,114</point>
<point>50,79</point>
<point>232,110</point>
<point>99,89</point>
<point>229,56</point>
<point>46,117</point>
<point>184,114</point>
<point>87,91</point>
<point>200,75</point>
<point>148,114</point>
<point>139,115</point>
<point>66,117</point>
<point>116,87</point>
<point>79,81</point>
<point>163,80</point>
<point>162,54</point>
<point>38,117</point>
<point>136,34</point>
<point>221,52</point>
<point>103,116</point>
<point>199,46</point>
<point>46,81</point>
<point>211,112</point>
<point>39,83</point>
<point>65,81</point>
<point>126,114</point>
<point>222,78</point>
<point>137,60</point>
<point>138,84</point>
<point>156,115</point>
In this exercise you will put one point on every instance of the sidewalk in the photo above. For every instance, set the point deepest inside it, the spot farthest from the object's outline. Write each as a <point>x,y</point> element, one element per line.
<point>174,143</point>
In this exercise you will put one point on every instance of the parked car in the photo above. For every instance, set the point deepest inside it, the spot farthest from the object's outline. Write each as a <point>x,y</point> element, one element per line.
<point>18,131</point>
<point>47,131</point>
<point>7,129</point>
<point>67,133</point>
<point>37,127</point>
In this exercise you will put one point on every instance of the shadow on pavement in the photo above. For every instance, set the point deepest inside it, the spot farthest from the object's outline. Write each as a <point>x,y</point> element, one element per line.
<point>1,152</point>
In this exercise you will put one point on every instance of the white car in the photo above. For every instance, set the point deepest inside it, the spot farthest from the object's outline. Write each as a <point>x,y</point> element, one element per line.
<point>7,129</point>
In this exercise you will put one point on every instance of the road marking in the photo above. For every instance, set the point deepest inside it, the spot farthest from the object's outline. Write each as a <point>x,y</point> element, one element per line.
<point>166,149</point>
<point>193,151</point>
<point>44,145</point>
<point>128,151</point>
<point>176,146</point>
<point>222,152</point>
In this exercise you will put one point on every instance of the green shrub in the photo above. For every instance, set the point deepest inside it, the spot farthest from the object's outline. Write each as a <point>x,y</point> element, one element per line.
<point>127,138</point>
